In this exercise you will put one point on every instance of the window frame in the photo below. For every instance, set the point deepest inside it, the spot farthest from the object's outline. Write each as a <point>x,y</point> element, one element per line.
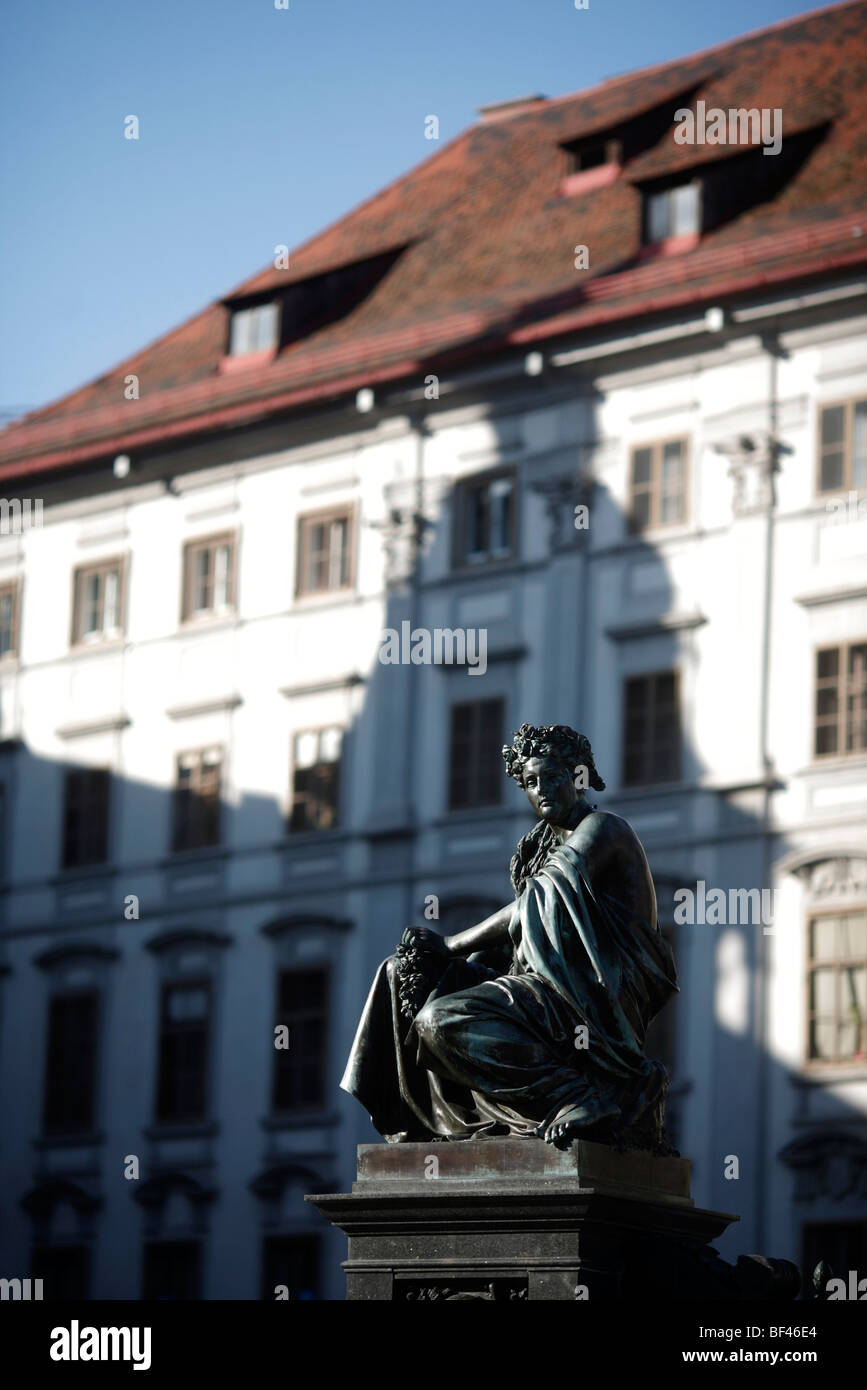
<point>323,968</point>
<point>177,982</point>
<point>847,405</point>
<point>473,806</point>
<point>649,192</point>
<point>842,685</point>
<point>235,313</point>
<point>575,150</point>
<point>13,587</point>
<point>657,452</point>
<point>189,616</point>
<point>199,753</point>
<point>464,487</point>
<point>105,774</point>
<point>318,730</point>
<point>94,995</point>
<point>79,640</point>
<point>857,1064</point>
<point>678,706</point>
<point>342,511</point>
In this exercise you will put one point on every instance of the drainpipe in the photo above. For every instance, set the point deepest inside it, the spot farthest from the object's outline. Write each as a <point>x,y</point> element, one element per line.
<point>416,526</point>
<point>770,464</point>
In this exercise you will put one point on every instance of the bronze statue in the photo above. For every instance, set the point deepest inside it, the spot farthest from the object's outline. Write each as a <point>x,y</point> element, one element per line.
<point>456,1041</point>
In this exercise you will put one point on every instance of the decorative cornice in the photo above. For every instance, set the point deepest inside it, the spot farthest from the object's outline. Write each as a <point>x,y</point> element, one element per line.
<point>830,873</point>
<point>655,627</point>
<point>187,936</point>
<point>815,600</point>
<point>269,1184</point>
<point>301,920</point>
<point>320,687</point>
<point>215,706</point>
<point>153,1192</point>
<point>827,1163</point>
<point>42,1199</point>
<point>83,950</point>
<point>110,724</point>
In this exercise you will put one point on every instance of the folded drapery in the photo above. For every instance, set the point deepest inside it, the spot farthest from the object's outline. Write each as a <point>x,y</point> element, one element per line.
<point>563,1031</point>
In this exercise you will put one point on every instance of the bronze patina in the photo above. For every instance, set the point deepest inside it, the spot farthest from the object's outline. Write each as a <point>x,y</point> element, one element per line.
<point>533,1021</point>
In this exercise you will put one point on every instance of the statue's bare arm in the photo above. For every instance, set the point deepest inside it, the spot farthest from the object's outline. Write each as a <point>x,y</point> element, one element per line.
<point>492,932</point>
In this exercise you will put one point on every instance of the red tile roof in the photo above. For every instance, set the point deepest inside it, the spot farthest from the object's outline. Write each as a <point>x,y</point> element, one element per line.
<point>489,244</point>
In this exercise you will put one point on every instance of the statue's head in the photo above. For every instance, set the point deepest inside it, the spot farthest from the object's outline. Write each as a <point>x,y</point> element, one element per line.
<point>553,764</point>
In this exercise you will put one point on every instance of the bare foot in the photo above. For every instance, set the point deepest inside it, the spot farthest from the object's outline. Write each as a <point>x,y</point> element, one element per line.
<point>564,1127</point>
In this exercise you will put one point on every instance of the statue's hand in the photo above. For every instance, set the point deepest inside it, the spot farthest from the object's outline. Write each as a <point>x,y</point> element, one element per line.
<point>423,939</point>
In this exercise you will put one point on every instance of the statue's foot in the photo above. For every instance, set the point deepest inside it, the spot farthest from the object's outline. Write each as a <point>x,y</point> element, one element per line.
<point>565,1126</point>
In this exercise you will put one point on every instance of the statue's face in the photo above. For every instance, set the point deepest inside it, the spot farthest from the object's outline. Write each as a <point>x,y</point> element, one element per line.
<point>550,789</point>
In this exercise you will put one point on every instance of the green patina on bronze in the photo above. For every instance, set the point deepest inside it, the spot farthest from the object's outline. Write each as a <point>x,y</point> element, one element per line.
<point>451,1045</point>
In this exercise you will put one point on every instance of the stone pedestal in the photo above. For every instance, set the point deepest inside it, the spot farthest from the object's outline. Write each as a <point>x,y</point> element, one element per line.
<point>515,1219</point>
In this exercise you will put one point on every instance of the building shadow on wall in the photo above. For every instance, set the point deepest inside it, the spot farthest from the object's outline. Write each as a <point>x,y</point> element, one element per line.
<point>158,1143</point>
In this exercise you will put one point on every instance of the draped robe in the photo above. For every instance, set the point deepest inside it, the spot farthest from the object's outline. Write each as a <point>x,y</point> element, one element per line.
<point>503,1054</point>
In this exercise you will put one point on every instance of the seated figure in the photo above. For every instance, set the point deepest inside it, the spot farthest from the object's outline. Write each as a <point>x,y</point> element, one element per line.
<point>549,1042</point>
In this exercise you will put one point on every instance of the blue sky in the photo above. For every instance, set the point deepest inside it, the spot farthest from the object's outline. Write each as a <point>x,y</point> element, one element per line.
<point>258,127</point>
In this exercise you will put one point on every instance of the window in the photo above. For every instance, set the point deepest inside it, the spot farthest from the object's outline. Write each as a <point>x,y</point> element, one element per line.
<point>843,446</point>
<point>85,817</point>
<point>183,1052</point>
<point>651,729</point>
<point>172,1270</point>
<point>254,329</point>
<point>63,1269</point>
<point>69,1099</point>
<point>97,595</point>
<point>299,1070</point>
<point>209,577</point>
<point>592,154</point>
<point>476,762</point>
<point>658,485</point>
<point>291,1262</point>
<point>324,552</point>
<point>837,987</point>
<point>672,212</point>
<point>841,700</point>
<point>197,799</point>
<point>316,779</point>
<point>485,527</point>
<point>8,620</point>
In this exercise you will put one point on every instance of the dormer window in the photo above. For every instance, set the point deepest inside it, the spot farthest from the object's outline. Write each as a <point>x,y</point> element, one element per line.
<point>254,329</point>
<point>673,213</point>
<point>591,164</point>
<point>592,154</point>
<point>265,322</point>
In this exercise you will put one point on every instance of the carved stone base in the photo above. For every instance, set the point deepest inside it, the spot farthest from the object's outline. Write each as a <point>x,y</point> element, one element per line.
<point>515,1219</point>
